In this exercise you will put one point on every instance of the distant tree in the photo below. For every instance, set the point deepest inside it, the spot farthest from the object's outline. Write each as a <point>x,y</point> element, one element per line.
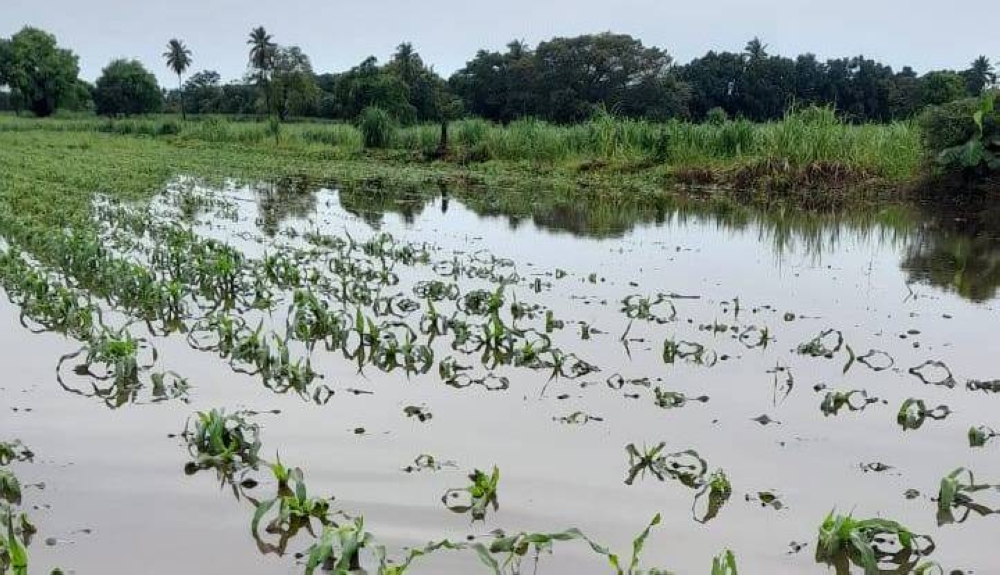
<point>755,50</point>
<point>39,73</point>
<point>126,88</point>
<point>810,75</point>
<point>293,84</point>
<point>904,94</point>
<point>980,76</point>
<point>767,86</point>
<point>573,77</point>
<point>363,86</point>
<point>941,87</point>
<point>714,81</point>
<point>80,97</point>
<point>407,62</point>
<point>6,60</point>
<point>178,58</point>
<point>423,83</point>
<point>203,93</point>
<point>238,98</point>
<point>262,50</point>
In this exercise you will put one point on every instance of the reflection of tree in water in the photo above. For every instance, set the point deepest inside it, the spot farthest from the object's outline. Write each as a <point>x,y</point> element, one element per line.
<point>282,200</point>
<point>601,221</point>
<point>371,202</point>
<point>946,251</point>
<point>958,251</point>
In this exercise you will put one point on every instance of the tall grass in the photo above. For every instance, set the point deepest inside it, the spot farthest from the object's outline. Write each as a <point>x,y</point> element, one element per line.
<point>803,138</point>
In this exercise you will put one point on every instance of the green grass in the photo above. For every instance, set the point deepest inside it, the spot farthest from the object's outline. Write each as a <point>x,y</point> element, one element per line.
<point>806,138</point>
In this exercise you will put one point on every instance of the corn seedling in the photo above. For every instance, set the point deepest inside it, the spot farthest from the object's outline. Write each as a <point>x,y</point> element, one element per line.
<point>476,498</point>
<point>956,492</point>
<point>913,413</point>
<point>295,510</point>
<point>724,564</point>
<point>221,439</point>
<point>979,435</point>
<point>854,400</point>
<point>11,451</point>
<point>869,543</point>
<point>826,344</point>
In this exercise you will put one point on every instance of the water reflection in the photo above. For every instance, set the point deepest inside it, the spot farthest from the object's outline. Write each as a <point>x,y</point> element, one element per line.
<point>947,247</point>
<point>291,198</point>
<point>957,251</point>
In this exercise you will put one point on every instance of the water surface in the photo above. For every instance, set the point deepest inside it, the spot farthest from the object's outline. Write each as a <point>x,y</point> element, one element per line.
<point>917,283</point>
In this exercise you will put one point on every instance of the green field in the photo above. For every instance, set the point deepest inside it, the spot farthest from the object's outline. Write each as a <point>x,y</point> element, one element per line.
<point>809,157</point>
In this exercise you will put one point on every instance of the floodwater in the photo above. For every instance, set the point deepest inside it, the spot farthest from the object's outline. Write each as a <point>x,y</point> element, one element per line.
<point>109,493</point>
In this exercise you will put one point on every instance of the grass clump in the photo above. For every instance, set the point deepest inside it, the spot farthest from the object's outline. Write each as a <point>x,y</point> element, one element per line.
<point>377,128</point>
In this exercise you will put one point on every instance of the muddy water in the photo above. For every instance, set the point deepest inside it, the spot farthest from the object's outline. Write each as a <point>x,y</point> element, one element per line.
<point>116,499</point>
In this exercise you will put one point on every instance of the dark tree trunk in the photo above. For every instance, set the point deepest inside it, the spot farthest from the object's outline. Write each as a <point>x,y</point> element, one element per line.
<point>442,150</point>
<point>180,97</point>
<point>43,107</point>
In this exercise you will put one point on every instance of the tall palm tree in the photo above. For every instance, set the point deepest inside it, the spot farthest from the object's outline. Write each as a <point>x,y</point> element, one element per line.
<point>980,75</point>
<point>261,57</point>
<point>755,50</point>
<point>178,59</point>
<point>517,49</point>
<point>408,61</point>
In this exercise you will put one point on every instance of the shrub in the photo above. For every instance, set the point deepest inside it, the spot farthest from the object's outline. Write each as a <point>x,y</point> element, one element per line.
<point>168,128</point>
<point>948,125</point>
<point>964,135</point>
<point>377,127</point>
<point>716,116</point>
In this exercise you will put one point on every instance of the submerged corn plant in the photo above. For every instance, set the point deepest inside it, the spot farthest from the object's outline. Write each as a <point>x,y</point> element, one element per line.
<point>13,552</point>
<point>956,492</point>
<point>686,466</point>
<point>853,400</point>
<point>689,351</point>
<point>10,487</point>
<point>295,510</point>
<point>724,564</point>
<point>477,498</point>
<point>11,451</point>
<point>826,344</point>
<point>220,439</point>
<point>116,366</point>
<point>913,413</point>
<point>980,435</point>
<point>716,491</point>
<point>869,544</point>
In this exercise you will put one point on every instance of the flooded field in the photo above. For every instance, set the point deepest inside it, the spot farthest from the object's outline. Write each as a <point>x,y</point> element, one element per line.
<point>741,376</point>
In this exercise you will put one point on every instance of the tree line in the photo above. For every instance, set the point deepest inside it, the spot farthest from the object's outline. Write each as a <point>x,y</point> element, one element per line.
<point>560,80</point>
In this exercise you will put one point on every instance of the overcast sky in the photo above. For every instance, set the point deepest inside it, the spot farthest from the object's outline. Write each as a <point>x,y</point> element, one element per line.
<point>338,34</point>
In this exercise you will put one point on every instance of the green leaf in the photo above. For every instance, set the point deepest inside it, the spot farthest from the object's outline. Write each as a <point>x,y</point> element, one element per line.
<point>484,555</point>
<point>640,541</point>
<point>724,564</point>
<point>262,508</point>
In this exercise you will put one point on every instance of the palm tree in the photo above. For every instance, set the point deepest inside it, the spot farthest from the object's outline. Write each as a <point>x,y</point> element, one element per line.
<point>980,75</point>
<point>178,59</point>
<point>408,61</point>
<point>261,58</point>
<point>517,49</point>
<point>755,50</point>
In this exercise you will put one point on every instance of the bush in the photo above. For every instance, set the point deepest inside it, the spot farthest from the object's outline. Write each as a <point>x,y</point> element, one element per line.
<point>168,128</point>
<point>965,135</point>
<point>950,124</point>
<point>377,127</point>
<point>716,116</point>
